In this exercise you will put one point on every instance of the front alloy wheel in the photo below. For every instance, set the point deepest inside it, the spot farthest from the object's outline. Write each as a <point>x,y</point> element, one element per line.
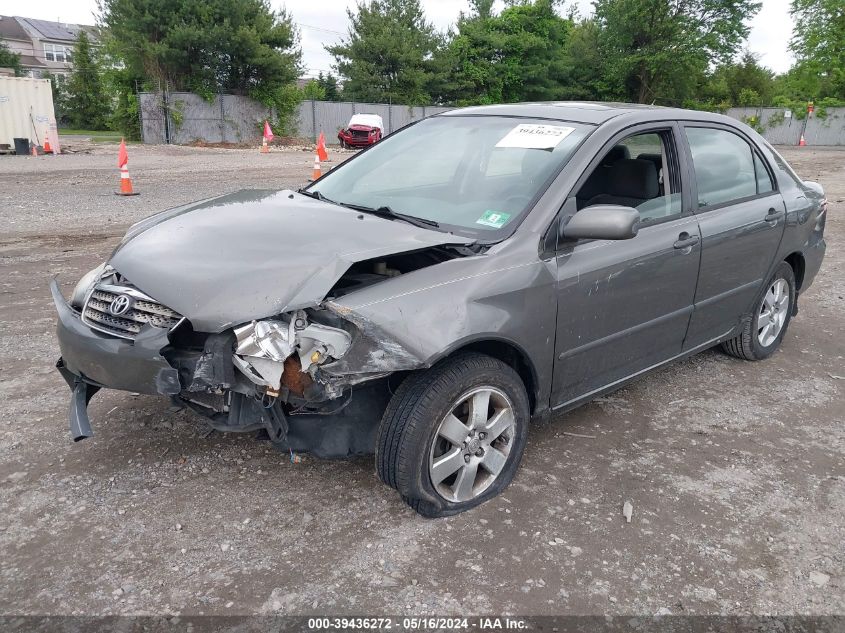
<point>472,444</point>
<point>452,436</point>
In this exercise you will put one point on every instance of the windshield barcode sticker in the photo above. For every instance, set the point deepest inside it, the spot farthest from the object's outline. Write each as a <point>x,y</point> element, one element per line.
<point>533,136</point>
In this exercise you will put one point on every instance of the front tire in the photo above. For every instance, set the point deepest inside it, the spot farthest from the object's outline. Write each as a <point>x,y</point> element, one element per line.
<point>452,436</point>
<point>764,329</point>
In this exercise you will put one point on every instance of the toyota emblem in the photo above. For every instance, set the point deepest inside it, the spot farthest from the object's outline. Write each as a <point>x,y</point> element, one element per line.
<point>120,304</point>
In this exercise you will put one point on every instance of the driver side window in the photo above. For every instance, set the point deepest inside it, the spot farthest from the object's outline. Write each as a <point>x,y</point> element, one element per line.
<point>641,172</point>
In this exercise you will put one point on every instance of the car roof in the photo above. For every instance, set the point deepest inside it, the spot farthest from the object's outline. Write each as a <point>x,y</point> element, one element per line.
<point>590,112</point>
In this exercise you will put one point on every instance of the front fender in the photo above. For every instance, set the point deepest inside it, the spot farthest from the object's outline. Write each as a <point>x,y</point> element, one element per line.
<point>419,324</point>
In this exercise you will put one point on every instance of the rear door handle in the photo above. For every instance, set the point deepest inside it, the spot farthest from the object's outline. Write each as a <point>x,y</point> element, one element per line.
<point>685,240</point>
<point>773,216</point>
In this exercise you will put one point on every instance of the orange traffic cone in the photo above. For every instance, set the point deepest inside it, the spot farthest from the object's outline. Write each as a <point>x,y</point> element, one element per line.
<point>802,142</point>
<point>264,148</point>
<point>321,148</point>
<point>122,163</point>
<point>317,173</point>
<point>47,148</point>
<point>34,150</point>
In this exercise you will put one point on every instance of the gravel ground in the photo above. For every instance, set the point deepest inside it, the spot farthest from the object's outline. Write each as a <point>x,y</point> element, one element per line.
<point>76,191</point>
<point>736,471</point>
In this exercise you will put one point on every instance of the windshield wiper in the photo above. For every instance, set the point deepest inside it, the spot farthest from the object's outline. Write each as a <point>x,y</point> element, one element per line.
<point>311,194</point>
<point>387,212</point>
<point>383,211</point>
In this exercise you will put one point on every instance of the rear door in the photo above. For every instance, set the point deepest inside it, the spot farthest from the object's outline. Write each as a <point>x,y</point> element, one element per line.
<point>741,216</point>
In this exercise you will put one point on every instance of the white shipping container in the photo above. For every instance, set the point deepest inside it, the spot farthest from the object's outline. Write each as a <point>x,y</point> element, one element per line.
<point>26,110</point>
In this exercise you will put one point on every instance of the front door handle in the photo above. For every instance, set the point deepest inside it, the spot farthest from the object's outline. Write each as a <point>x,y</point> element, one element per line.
<point>685,240</point>
<point>773,216</point>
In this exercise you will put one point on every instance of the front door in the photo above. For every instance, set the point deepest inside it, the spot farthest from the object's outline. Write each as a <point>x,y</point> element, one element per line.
<point>624,306</point>
<point>742,218</point>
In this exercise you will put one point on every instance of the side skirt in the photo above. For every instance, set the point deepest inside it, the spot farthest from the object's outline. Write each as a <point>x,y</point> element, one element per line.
<point>618,384</point>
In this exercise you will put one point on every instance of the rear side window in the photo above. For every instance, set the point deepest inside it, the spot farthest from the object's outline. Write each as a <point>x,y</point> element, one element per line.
<point>781,165</point>
<point>724,166</point>
<point>764,180</point>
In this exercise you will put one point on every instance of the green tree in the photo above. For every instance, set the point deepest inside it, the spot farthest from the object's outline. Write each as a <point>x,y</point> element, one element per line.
<point>481,8</point>
<point>748,97</point>
<point>58,87</point>
<point>126,115</point>
<point>387,54</point>
<point>585,74</point>
<point>234,46</point>
<point>313,90</point>
<point>818,43</point>
<point>518,55</point>
<point>8,59</point>
<point>87,105</point>
<point>330,86</point>
<point>728,82</point>
<point>748,74</point>
<point>657,50</point>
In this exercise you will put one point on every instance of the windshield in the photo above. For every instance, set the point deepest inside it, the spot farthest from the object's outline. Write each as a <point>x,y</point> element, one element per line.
<point>472,175</point>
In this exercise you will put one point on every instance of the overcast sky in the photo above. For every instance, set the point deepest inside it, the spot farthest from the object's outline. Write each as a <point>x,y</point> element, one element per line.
<point>324,22</point>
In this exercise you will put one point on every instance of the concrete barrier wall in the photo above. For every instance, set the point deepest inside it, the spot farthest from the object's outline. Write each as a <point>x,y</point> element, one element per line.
<point>330,117</point>
<point>827,131</point>
<point>779,128</point>
<point>235,119</point>
<point>183,117</point>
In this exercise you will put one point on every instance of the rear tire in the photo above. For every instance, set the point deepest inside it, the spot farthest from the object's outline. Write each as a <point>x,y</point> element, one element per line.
<point>763,330</point>
<point>452,436</point>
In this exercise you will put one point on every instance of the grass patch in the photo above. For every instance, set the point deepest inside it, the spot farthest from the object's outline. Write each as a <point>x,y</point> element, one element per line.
<point>73,132</point>
<point>96,136</point>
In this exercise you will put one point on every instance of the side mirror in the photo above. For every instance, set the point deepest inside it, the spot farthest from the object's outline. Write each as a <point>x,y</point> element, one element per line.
<point>602,222</point>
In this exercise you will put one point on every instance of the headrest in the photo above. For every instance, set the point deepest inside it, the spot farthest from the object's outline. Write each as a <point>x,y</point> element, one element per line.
<point>633,178</point>
<point>657,159</point>
<point>617,152</point>
<point>595,183</point>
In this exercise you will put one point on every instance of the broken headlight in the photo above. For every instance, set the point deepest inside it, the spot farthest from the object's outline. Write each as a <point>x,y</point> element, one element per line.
<point>86,283</point>
<point>263,347</point>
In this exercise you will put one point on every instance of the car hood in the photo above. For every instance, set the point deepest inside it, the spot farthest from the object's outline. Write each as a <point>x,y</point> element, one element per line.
<point>253,254</point>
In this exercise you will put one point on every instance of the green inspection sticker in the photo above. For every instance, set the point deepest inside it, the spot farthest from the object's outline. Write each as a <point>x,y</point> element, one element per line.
<point>496,219</point>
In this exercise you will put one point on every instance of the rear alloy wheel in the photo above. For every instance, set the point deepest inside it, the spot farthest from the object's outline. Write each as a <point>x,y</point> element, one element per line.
<point>773,312</point>
<point>764,329</point>
<point>452,436</point>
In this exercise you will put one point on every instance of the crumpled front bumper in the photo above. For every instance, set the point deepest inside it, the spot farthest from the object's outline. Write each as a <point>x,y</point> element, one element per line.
<point>91,360</point>
<point>356,141</point>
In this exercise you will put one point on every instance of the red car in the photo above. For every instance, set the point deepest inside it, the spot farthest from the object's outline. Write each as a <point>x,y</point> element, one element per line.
<point>363,130</point>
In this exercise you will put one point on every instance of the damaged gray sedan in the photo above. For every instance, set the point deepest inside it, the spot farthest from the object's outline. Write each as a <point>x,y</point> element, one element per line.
<point>428,298</point>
